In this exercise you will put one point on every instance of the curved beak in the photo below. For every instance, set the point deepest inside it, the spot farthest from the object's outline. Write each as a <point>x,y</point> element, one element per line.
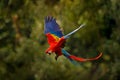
<point>49,52</point>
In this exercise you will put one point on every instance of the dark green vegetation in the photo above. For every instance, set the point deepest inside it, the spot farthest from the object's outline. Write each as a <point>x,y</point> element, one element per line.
<point>22,42</point>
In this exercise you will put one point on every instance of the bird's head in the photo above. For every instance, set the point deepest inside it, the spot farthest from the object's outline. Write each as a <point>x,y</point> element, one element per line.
<point>48,52</point>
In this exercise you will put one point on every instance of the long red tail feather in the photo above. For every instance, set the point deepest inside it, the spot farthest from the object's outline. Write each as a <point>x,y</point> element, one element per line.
<point>84,59</point>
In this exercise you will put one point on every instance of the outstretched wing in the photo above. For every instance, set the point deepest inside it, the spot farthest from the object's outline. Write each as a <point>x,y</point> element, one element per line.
<point>69,34</point>
<point>52,30</point>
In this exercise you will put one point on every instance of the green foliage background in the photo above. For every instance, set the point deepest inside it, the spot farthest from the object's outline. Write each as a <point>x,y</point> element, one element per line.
<point>22,42</point>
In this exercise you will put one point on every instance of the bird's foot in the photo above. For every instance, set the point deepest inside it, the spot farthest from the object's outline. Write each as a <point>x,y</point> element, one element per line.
<point>56,57</point>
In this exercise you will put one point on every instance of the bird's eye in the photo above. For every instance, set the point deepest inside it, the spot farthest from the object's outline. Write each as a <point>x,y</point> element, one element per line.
<point>49,52</point>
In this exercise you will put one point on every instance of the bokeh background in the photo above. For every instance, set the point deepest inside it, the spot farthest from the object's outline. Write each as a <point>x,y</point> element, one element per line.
<point>22,41</point>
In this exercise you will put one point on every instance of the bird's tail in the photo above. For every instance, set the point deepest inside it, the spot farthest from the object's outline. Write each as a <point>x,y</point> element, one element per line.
<point>66,54</point>
<point>72,57</point>
<point>84,59</point>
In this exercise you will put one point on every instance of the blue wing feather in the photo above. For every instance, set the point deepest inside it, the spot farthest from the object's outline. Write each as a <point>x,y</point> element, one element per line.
<point>52,27</point>
<point>66,54</point>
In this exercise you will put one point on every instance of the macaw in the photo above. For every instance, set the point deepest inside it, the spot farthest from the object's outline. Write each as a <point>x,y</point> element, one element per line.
<point>57,40</point>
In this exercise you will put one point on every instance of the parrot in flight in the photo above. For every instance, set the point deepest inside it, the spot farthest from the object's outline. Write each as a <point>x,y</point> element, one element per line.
<point>57,40</point>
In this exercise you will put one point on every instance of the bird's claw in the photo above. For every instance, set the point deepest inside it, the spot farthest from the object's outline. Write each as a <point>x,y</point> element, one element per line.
<point>56,57</point>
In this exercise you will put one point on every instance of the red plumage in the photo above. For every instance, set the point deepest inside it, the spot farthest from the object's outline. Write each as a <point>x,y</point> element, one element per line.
<point>56,40</point>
